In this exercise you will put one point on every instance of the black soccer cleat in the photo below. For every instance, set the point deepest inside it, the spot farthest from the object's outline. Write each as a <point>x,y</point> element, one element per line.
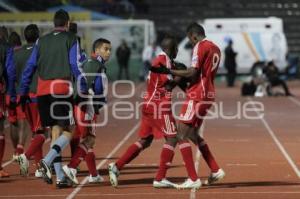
<point>46,171</point>
<point>65,183</point>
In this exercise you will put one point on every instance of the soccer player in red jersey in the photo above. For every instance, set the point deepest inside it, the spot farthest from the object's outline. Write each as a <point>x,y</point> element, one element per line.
<point>200,95</point>
<point>157,121</point>
<point>16,117</point>
<point>30,109</point>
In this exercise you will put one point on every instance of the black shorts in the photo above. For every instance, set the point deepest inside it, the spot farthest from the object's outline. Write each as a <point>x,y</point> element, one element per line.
<point>55,110</point>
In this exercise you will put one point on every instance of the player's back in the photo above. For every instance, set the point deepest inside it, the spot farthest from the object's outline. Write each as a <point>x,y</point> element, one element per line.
<point>53,54</point>
<point>156,94</point>
<point>21,56</point>
<point>206,57</point>
<point>212,55</point>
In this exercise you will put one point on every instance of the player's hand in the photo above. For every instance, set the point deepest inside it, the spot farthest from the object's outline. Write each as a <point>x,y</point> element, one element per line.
<point>183,84</point>
<point>169,85</point>
<point>179,66</point>
<point>161,69</point>
<point>24,99</point>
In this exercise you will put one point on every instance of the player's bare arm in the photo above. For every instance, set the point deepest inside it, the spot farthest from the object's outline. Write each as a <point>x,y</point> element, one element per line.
<point>188,73</point>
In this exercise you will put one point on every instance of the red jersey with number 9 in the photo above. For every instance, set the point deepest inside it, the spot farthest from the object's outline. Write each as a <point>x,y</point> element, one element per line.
<point>206,59</point>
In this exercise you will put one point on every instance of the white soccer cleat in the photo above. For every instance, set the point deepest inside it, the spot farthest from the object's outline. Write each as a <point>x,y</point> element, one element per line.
<point>215,177</point>
<point>24,164</point>
<point>71,174</point>
<point>164,183</point>
<point>113,172</point>
<point>38,174</point>
<point>190,184</point>
<point>95,179</point>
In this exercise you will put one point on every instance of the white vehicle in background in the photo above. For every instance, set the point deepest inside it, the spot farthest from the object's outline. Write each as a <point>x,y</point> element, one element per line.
<point>254,39</point>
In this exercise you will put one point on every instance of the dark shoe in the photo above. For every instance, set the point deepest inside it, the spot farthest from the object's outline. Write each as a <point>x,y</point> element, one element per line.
<point>65,183</point>
<point>46,170</point>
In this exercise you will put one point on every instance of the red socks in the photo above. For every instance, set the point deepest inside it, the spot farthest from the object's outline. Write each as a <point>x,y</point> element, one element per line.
<point>208,157</point>
<point>2,148</point>
<point>35,147</point>
<point>89,156</point>
<point>187,156</point>
<point>131,153</point>
<point>166,158</point>
<point>78,156</point>
<point>38,155</point>
<point>90,160</point>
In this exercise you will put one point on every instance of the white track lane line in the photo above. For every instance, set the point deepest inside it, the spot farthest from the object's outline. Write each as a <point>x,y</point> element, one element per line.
<point>295,100</point>
<point>128,135</point>
<point>277,142</point>
<point>162,194</point>
<point>197,162</point>
<point>117,147</point>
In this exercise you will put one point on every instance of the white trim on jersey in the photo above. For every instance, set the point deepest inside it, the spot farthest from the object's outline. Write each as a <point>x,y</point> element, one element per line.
<point>189,111</point>
<point>195,58</point>
<point>169,130</point>
<point>202,84</point>
<point>168,63</point>
<point>153,92</point>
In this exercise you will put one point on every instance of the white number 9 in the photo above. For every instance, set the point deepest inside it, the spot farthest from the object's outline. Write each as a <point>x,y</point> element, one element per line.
<point>215,61</point>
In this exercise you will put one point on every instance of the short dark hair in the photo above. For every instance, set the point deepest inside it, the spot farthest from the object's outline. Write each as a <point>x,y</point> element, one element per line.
<point>195,28</point>
<point>14,39</point>
<point>97,43</point>
<point>61,18</point>
<point>31,33</point>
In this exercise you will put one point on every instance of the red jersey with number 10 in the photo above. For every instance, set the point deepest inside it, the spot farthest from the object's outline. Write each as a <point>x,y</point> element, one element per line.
<point>206,59</point>
<point>157,98</point>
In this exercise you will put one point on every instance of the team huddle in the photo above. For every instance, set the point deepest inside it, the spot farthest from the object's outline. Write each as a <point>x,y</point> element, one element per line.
<point>47,84</point>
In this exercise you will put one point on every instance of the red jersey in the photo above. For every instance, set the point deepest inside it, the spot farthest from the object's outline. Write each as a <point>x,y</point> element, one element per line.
<point>157,99</point>
<point>206,59</point>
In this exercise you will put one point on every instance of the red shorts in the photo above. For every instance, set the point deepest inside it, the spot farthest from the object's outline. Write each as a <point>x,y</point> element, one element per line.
<point>33,116</point>
<point>15,114</point>
<point>193,112</point>
<point>84,126</point>
<point>158,127</point>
